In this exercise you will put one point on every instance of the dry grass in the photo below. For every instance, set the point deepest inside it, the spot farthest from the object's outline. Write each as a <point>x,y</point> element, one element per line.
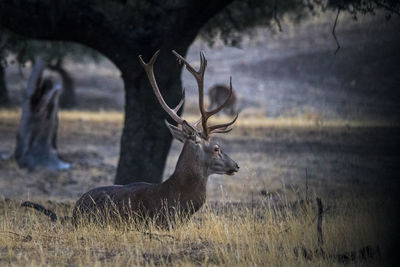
<point>265,233</point>
<point>246,120</point>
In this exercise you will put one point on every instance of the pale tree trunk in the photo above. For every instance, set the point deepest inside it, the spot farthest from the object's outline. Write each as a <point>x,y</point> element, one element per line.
<point>67,97</point>
<point>37,134</point>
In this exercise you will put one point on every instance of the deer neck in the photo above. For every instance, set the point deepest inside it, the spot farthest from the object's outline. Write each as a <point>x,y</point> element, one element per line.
<point>188,183</point>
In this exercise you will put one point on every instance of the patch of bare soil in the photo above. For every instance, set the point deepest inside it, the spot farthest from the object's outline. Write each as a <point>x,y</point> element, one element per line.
<point>92,148</point>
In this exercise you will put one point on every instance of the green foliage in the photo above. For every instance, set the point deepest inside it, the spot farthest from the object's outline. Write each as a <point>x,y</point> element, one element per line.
<point>54,52</point>
<point>152,18</point>
<point>241,16</point>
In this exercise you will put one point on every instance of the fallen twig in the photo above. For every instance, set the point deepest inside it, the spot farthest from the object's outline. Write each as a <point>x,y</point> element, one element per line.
<point>151,235</point>
<point>24,238</point>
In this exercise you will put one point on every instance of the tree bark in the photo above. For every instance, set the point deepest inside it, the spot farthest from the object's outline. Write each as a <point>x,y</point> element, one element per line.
<point>146,141</point>
<point>4,99</point>
<point>37,134</point>
<point>67,97</point>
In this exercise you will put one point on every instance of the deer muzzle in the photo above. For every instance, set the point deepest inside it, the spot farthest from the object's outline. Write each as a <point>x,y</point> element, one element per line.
<point>235,168</point>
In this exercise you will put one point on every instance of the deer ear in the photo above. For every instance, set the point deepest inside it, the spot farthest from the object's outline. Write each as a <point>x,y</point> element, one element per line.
<point>176,132</point>
<point>189,131</point>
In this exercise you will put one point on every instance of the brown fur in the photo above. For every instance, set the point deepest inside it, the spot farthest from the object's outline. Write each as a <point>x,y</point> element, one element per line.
<point>181,195</point>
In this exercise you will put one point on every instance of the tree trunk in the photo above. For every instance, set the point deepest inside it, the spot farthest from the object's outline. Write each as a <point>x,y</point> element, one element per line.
<point>146,141</point>
<point>67,97</point>
<point>4,99</point>
<point>37,135</point>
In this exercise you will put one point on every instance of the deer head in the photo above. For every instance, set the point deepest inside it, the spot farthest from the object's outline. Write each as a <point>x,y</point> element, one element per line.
<point>200,155</point>
<point>207,155</point>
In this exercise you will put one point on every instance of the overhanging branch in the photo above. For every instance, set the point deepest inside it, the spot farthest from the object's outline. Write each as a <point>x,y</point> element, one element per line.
<point>78,22</point>
<point>334,31</point>
<point>389,8</point>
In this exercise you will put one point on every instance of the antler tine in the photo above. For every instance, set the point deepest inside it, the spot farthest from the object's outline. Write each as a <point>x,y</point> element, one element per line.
<point>197,123</point>
<point>205,115</point>
<point>176,109</point>
<point>222,131</point>
<point>223,126</point>
<point>200,83</point>
<point>199,76</point>
<point>203,64</point>
<point>148,67</point>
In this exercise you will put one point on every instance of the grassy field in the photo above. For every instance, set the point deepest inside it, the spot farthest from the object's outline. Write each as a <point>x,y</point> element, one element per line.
<point>263,234</point>
<point>257,217</point>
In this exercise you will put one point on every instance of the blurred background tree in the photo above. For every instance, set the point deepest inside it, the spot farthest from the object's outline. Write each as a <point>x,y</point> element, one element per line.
<point>123,29</point>
<point>54,53</point>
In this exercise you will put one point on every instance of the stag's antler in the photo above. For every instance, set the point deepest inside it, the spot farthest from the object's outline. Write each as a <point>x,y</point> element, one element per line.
<point>199,76</point>
<point>148,67</point>
<point>205,115</point>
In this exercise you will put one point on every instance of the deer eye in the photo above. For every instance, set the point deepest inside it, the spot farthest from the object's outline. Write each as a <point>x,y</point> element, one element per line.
<point>216,148</point>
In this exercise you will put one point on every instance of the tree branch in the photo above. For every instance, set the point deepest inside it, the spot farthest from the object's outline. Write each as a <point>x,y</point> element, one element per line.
<point>75,21</point>
<point>387,7</point>
<point>276,18</point>
<point>334,31</point>
<point>197,15</point>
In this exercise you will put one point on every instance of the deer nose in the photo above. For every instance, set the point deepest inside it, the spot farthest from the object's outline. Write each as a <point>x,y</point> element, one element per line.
<point>237,166</point>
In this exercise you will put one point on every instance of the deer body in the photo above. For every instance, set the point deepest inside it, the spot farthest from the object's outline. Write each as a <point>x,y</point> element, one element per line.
<point>184,189</point>
<point>184,192</point>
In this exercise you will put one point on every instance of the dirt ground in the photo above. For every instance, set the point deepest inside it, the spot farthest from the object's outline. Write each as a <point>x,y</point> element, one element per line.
<point>271,157</point>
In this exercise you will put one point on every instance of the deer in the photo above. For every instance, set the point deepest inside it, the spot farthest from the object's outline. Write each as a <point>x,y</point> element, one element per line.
<point>184,192</point>
<point>217,95</point>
